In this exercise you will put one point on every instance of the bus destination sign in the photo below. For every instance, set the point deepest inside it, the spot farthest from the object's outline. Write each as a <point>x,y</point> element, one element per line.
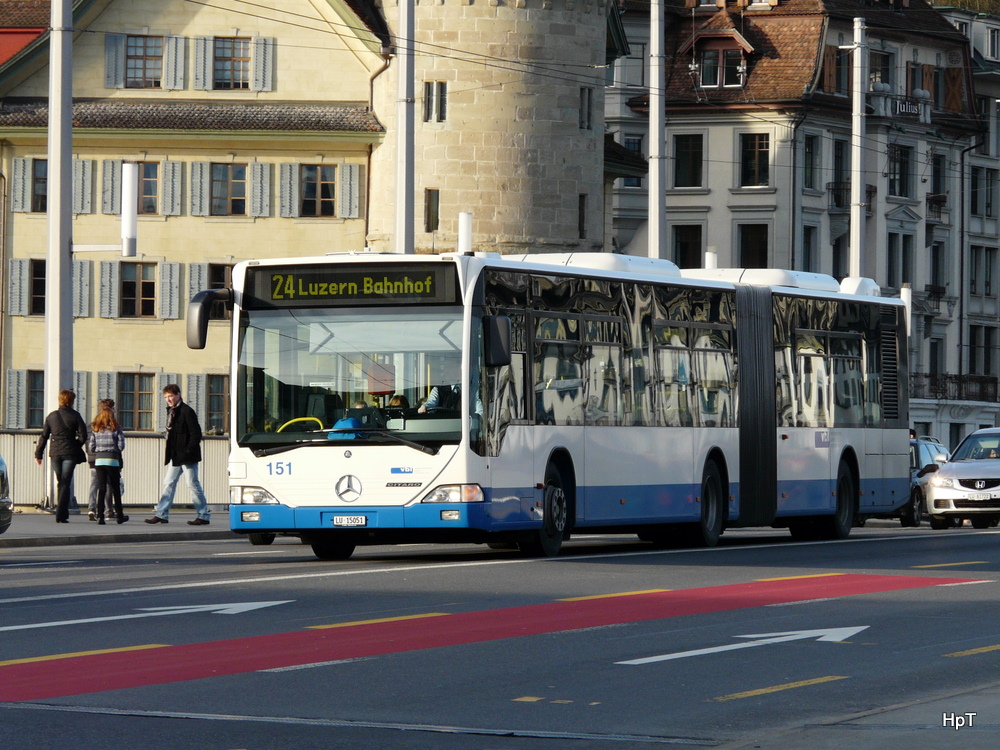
<point>351,285</point>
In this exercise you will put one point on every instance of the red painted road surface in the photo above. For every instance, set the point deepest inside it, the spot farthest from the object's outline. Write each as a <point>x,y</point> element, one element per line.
<point>75,675</point>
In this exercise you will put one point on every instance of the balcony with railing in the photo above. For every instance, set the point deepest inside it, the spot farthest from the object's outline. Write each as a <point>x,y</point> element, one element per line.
<point>936,203</point>
<point>953,387</point>
<point>840,196</point>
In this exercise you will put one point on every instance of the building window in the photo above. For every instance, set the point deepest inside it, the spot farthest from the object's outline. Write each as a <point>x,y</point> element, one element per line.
<point>899,259</point>
<point>721,67</point>
<point>838,259</point>
<point>634,66</point>
<point>36,302</point>
<point>435,101</point>
<point>688,160</point>
<point>982,192</point>
<point>229,190</point>
<point>938,275</point>
<point>880,67</point>
<point>143,62</point>
<point>753,245</point>
<point>217,412</point>
<point>634,144</point>
<point>900,168</point>
<point>220,276</point>
<point>149,187</point>
<point>687,245</point>
<point>755,157</point>
<point>36,399</point>
<point>938,174</point>
<point>810,162</point>
<point>318,190</point>
<point>581,216</point>
<point>39,185</point>
<point>135,400</point>
<point>138,290</point>
<point>432,209</point>
<point>231,63</point>
<point>809,260</point>
<point>586,108</point>
<point>995,44</point>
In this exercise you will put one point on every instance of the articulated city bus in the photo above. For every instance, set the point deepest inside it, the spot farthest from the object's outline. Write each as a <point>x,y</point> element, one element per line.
<point>518,400</point>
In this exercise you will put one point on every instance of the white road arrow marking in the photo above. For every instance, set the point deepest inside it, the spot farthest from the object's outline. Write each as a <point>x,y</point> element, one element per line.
<point>766,639</point>
<point>219,609</point>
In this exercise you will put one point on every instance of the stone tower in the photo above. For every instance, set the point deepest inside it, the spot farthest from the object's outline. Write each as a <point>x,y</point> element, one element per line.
<point>509,126</point>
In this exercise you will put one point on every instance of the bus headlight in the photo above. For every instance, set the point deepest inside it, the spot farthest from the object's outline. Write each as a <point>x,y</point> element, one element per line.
<point>251,496</point>
<point>939,481</point>
<point>455,493</point>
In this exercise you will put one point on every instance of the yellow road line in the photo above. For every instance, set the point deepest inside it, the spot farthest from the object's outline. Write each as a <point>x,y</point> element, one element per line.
<point>952,565</point>
<point>778,688</point>
<point>611,596</point>
<point>55,657</point>
<point>373,622</point>
<point>799,578</point>
<point>974,651</point>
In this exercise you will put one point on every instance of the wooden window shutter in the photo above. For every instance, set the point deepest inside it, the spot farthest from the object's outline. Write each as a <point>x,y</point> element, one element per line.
<point>81,384</point>
<point>170,290</point>
<point>260,189</point>
<point>18,285</point>
<point>262,62</point>
<point>288,190</point>
<point>114,61</point>
<point>81,288</point>
<point>203,49</point>
<point>954,91</point>
<point>107,385</point>
<point>110,286</point>
<point>111,186</point>
<point>830,53</point>
<point>173,63</point>
<point>350,191</point>
<point>170,184</point>
<point>20,193</point>
<point>83,186</point>
<point>928,78</point>
<point>16,407</point>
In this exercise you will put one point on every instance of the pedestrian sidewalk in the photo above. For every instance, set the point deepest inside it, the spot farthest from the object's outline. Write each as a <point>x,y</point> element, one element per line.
<point>34,528</point>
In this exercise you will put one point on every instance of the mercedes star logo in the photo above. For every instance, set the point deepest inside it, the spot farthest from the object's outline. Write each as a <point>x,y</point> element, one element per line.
<point>348,488</point>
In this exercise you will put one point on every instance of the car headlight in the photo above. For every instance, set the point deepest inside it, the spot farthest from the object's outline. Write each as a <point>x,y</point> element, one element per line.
<point>251,496</point>
<point>939,481</point>
<point>455,493</point>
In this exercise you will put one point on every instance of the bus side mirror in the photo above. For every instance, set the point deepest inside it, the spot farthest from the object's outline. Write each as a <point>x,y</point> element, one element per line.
<point>496,337</point>
<point>198,311</point>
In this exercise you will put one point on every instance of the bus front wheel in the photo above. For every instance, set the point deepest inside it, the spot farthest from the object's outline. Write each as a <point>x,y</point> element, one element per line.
<point>331,549</point>
<point>548,539</point>
<point>261,538</point>
<point>838,526</point>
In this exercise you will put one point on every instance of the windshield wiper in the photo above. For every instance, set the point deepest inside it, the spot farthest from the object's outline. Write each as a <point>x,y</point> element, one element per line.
<point>376,431</point>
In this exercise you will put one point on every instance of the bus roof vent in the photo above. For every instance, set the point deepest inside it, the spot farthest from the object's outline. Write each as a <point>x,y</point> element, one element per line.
<point>860,285</point>
<point>766,277</point>
<point>603,262</point>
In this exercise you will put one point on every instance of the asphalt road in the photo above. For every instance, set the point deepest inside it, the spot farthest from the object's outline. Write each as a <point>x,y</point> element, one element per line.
<point>758,643</point>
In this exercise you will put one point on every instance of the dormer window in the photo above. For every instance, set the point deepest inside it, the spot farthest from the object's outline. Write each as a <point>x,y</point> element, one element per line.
<point>722,67</point>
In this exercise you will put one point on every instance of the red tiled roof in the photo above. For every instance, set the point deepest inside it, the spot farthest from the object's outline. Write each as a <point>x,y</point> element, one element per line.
<point>133,114</point>
<point>23,14</point>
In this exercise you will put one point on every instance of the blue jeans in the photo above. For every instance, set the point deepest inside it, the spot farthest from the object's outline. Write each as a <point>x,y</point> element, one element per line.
<point>63,468</point>
<point>170,479</point>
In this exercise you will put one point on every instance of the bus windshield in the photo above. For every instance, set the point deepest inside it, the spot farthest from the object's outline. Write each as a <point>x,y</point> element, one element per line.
<point>336,375</point>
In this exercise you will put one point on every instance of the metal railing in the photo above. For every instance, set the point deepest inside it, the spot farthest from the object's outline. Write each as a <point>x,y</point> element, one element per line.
<point>953,387</point>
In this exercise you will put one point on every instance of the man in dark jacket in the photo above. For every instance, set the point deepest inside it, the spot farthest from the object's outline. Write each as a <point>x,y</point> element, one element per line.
<point>68,432</point>
<point>183,455</point>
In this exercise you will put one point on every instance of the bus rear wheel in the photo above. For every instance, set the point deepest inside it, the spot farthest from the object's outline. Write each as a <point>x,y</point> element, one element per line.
<point>548,539</point>
<point>331,548</point>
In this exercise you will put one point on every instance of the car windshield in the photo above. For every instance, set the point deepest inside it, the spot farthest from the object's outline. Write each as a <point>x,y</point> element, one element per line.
<point>977,447</point>
<point>333,374</point>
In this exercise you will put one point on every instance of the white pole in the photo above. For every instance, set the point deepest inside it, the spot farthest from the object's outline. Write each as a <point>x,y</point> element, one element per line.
<point>906,294</point>
<point>405,105</point>
<point>465,232</point>
<point>58,262</point>
<point>860,67</point>
<point>657,217</point>
<point>129,208</point>
<point>711,257</point>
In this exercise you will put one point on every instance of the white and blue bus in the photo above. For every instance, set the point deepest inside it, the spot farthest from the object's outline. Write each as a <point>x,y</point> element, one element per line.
<point>472,397</point>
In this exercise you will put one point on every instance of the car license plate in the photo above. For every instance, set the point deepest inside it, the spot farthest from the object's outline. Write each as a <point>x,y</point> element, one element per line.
<point>980,496</point>
<point>350,521</point>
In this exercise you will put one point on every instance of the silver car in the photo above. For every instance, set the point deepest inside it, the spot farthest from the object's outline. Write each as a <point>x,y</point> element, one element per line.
<point>6,504</point>
<point>968,484</point>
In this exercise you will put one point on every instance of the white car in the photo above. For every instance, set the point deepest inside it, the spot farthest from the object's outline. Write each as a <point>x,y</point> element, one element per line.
<point>968,484</point>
